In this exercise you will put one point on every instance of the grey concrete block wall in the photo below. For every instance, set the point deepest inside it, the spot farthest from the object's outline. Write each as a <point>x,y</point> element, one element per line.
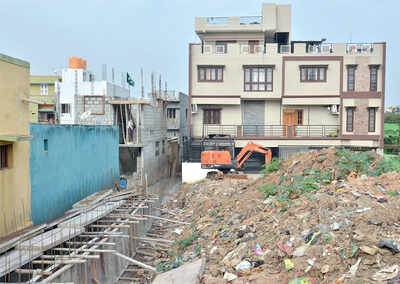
<point>94,104</point>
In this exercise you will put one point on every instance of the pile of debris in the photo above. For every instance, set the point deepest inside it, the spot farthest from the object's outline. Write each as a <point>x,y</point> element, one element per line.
<point>331,216</point>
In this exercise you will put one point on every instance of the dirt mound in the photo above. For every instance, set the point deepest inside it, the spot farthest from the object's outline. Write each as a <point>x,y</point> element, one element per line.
<point>322,217</point>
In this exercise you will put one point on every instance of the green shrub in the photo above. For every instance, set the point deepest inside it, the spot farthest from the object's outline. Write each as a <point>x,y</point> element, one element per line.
<point>268,190</point>
<point>273,166</point>
<point>183,244</point>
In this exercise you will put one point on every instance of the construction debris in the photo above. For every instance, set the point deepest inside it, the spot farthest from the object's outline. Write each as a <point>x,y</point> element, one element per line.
<point>315,218</point>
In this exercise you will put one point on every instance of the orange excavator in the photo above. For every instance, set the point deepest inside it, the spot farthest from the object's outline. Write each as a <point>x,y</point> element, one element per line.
<point>221,160</point>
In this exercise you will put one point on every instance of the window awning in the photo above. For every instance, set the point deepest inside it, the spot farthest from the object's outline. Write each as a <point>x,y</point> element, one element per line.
<point>45,110</point>
<point>15,137</point>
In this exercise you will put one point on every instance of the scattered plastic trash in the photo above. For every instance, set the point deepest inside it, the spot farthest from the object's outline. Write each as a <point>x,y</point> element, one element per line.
<point>395,280</point>
<point>229,276</point>
<point>312,238</point>
<point>178,231</point>
<point>353,269</point>
<point>390,245</point>
<point>380,197</point>
<point>386,273</point>
<point>213,250</point>
<point>336,226</point>
<point>258,251</point>
<point>300,280</point>
<point>257,263</point>
<point>285,248</point>
<point>244,265</point>
<point>362,210</point>
<point>288,264</point>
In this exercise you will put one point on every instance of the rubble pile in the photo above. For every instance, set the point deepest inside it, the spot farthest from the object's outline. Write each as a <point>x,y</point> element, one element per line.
<point>331,216</point>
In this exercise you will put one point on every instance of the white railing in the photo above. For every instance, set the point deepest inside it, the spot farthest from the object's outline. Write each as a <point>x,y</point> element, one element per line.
<point>353,48</point>
<point>321,48</point>
<point>251,20</point>
<point>218,21</point>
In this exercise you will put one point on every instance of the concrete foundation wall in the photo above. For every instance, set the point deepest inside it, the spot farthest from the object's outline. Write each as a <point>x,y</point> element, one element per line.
<point>79,161</point>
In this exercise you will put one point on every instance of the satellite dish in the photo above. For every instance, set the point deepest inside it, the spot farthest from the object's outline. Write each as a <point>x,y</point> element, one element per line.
<point>85,115</point>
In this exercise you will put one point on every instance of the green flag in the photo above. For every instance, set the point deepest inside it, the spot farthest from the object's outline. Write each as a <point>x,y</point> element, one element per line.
<point>129,80</point>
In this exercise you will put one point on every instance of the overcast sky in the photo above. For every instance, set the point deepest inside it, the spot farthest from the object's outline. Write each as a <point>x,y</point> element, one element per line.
<point>154,34</point>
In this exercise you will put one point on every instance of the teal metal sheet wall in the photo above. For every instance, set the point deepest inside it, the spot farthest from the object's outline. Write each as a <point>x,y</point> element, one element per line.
<point>80,160</point>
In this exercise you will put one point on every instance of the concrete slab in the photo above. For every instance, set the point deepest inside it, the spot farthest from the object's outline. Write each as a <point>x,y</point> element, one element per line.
<point>189,273</point>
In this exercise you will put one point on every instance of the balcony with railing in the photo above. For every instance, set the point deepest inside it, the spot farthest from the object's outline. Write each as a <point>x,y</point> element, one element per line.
<point>296,49</point>
<point>272,131</point>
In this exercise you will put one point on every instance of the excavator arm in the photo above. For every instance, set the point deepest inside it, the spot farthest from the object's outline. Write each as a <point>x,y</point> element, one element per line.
<point>248,150</point>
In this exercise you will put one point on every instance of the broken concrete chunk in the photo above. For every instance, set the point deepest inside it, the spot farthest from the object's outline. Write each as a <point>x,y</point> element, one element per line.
<point>189,273</point>
<point>369,250</point>
<point>386,273</point>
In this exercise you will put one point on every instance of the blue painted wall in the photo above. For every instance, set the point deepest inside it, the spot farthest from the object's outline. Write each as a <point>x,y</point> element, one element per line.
<point>80,160</point>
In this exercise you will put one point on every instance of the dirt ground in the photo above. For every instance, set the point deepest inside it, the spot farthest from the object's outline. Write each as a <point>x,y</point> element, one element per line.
<point>327,218</point>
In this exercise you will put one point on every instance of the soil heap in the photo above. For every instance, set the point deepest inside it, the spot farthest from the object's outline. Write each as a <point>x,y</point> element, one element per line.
<point>329,216</point>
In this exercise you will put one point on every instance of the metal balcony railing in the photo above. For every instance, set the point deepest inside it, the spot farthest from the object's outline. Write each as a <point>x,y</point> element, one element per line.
<point>218,21</point>
<point>271,130</point>
<point>284,48</point>
<point>361,48</point>
<point>321,48</point>
<point>251,20</point>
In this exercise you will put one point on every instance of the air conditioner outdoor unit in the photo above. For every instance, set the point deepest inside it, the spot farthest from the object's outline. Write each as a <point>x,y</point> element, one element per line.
<point>334,109</point>
<point>194,108</point>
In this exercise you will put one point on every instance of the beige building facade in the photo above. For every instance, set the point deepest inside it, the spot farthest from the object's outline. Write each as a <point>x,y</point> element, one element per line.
<point>42,89</point>
<point>15,199</point>
<point>247,79</point>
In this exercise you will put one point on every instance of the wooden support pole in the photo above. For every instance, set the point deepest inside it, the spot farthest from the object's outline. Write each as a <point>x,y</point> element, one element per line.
<point>61,261</point>
<point>165,219</point>
<point>166,211</point>
<point>153,239</point>
<point>85,250</point>
<point>85,243</point>
<point>32,271</point>
<point>135,261</point>
<point>102,235</point>
<point>96,256</point>
<point>111,226</point>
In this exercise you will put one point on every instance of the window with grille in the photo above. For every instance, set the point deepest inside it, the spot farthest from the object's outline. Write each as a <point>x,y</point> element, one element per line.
<point>349,119</point>
<point>212,116</point>
<point>4,156</point>
<point>44,89</point>
<point>171,113</point>
<point>373,78</point>
<point>258,79</point>
<point>371,119</point>
<point>157,148</point>
<point>65,108</point>
<point>351,71</point>
<point>210,73</point>
<point>313,73</point>
<point>300,117</point>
